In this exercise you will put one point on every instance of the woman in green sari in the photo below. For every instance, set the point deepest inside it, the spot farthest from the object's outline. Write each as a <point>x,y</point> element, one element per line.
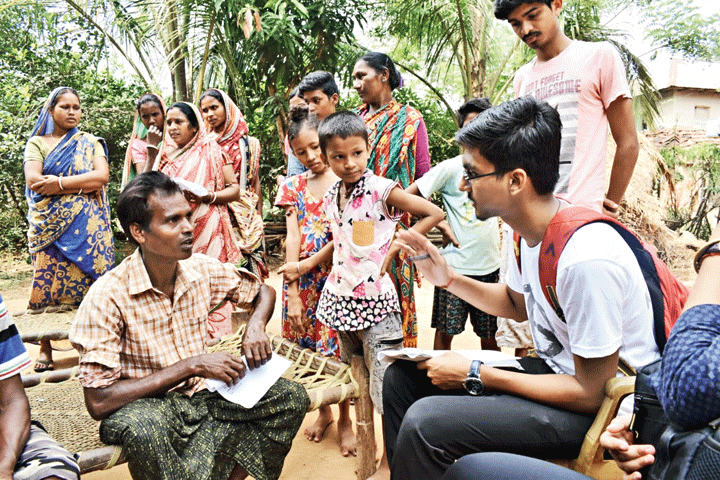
<point>399,151</point>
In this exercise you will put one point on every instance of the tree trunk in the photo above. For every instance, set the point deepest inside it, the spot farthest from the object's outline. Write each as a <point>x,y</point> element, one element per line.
<point>177,59</point>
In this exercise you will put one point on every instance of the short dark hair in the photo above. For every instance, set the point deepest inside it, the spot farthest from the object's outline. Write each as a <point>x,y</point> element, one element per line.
<point>301,117</point>
<point>319,80</point>
<point>188,111</point>
<point>62,91</point>
<point>503,8</point>
<point>343,125</point>
<point>295,92</point>
<point>148,98</point>
<point>522,133</point>
<point>379,62</point>
<point>474,105</point>
<point>211,92</point>
<point>132,204</point>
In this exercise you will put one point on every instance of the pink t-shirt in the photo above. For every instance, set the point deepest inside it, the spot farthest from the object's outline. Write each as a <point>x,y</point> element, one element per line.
<point>580,83</point>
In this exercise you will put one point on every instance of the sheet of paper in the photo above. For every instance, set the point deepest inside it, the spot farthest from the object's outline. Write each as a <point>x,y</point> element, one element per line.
<point>192,187</point>
<point>488,357</point>
<point>254,385</point>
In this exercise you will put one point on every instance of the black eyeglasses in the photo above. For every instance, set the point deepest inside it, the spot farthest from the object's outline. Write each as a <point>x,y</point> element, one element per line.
<point>467,175</point>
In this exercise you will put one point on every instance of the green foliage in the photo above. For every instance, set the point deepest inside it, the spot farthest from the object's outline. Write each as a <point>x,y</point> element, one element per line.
<point>681,27</point>
<point>702,163</point>
<point>41,50</point>
<point>441,126</point>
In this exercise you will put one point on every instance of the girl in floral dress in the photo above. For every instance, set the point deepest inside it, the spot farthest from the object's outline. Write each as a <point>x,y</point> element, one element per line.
<point>308,231</point>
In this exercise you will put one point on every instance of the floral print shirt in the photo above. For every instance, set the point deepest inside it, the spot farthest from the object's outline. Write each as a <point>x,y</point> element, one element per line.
<point>356,296</point>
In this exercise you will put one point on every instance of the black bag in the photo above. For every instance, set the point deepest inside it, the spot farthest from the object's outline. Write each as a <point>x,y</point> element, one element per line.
<point>687,455</point>
<point>679,454</point>
<point>648,420</point>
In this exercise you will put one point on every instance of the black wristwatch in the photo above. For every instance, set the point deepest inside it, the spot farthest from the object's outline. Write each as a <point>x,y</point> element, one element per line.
<point>473,384</point>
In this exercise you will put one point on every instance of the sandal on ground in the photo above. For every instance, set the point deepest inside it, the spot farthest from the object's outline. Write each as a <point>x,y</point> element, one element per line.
<point>46,365</point>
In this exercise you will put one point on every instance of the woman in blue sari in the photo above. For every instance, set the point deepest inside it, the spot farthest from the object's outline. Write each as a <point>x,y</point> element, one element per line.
<point>70,239</point>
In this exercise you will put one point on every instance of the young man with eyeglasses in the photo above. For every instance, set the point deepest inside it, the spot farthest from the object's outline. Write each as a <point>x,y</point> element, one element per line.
<point>448,407</point>
<point>470,246</point>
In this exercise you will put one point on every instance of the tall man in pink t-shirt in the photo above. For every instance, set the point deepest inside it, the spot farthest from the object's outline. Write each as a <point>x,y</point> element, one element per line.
<point>587,84</point>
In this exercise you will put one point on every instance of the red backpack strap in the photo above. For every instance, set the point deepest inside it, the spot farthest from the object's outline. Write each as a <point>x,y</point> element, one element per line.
<point>667,294</point>
<point>516,249</point>
<point>563,225</point>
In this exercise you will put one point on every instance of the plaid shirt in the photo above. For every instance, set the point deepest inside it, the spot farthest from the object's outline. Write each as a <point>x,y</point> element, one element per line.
<point>126,329</point>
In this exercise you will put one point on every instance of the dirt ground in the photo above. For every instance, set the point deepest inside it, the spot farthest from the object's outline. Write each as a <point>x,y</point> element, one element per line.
<point>306,460</point>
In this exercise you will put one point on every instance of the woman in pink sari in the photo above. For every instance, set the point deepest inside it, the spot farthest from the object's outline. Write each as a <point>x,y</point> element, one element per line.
<point>226,124</point>
<point>193,157</point>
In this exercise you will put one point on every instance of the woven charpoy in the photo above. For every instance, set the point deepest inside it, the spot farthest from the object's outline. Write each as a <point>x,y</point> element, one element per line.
<point>326,380</point>
<point>51,323</point>
<point>60,407</point>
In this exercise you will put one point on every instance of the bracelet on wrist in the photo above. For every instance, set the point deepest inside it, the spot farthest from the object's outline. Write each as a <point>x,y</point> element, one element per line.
<point>452,278</point>
<point>214,197</point>
<point>298,268</point>
<point>60,183</point>
<point>712,249</point>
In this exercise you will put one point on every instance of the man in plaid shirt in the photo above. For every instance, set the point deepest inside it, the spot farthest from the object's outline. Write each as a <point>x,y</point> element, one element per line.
<point>142,335</point>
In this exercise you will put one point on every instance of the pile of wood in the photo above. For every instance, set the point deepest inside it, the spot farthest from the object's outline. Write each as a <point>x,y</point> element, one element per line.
<point>680,137</point>
<point>644,212</point>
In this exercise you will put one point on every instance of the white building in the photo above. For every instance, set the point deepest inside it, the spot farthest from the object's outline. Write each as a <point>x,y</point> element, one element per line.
<point>690,96</point>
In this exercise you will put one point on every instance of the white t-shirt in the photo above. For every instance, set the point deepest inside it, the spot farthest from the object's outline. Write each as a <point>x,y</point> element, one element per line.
<point>603,295</point>
<point>581,82</point>
<point>479,252</point>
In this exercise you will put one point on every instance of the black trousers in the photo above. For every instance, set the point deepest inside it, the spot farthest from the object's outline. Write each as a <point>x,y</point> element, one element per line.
<point>427,429</point>
<point>507,466</point>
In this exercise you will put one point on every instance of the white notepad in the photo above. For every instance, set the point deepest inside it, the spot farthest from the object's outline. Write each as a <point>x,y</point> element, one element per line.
<point>491,358</point>
<point>254,385</point>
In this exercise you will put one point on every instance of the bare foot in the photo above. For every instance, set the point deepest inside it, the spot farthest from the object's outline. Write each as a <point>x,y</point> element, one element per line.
<point>346,438</point>
<point>316,431</point>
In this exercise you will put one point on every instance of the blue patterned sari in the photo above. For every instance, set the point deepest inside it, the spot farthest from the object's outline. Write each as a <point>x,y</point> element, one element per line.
<point>70,238</point>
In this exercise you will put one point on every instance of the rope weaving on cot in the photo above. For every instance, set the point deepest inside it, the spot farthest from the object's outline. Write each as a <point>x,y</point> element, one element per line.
<point>50,323</point>
<point>326,380</point>
<point>60,407</point>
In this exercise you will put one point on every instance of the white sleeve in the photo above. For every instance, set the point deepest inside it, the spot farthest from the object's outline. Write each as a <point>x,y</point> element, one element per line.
<point>434,180</point>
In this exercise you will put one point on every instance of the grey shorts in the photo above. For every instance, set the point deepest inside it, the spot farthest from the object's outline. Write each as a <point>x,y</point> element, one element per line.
<point>385,335</point>
<point>44,457</point>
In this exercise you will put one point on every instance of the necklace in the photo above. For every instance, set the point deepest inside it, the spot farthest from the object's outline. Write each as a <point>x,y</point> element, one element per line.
<point>346,192</point>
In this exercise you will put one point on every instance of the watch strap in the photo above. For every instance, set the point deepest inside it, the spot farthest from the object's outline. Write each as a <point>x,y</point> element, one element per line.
<point>709,250</point>
<point>474,369</point>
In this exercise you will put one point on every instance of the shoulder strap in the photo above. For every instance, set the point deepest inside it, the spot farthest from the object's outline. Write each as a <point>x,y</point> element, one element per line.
<point>516,249</point>
<point>562,227</point>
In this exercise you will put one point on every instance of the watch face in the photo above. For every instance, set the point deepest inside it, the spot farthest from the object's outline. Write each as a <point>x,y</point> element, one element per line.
<point>474,386</point>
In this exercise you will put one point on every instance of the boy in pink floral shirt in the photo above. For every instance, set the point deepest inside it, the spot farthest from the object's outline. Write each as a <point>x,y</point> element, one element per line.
<point>359,299</point>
